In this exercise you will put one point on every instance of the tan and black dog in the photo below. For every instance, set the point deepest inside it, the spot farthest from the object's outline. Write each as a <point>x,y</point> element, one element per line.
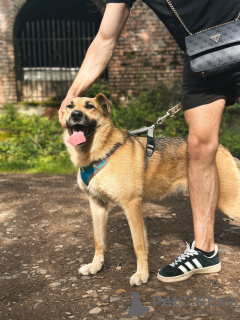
<point>91,137</point>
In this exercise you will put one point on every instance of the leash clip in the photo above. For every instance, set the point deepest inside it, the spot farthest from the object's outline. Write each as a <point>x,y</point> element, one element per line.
<point>170,113</point>
<point>174,109</point>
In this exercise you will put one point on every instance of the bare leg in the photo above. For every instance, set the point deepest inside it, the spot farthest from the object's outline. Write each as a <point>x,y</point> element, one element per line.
<point>99,217</point>
<point>204,123</point>
<point>133,211</point>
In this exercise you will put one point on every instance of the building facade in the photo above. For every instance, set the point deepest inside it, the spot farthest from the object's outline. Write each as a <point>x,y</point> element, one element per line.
<point>42,45</point>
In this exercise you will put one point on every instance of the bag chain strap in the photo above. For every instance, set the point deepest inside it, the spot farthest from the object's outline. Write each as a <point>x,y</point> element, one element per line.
<point>185,27</point>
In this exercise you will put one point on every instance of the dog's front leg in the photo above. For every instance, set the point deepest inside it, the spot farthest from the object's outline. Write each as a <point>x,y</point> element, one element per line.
<point>133,211</point>
<point>99,217</point>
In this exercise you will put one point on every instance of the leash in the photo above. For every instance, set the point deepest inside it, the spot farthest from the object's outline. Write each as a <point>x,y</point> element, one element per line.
<point>150,139</point>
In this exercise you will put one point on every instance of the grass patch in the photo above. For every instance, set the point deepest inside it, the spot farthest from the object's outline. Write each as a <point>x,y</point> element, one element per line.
<point>63,166</point>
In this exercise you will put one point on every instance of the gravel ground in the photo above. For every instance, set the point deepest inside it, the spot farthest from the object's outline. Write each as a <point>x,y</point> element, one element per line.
<point>46,234</point>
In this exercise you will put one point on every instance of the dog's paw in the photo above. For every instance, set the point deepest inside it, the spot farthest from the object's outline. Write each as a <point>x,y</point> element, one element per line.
<point>89,269</point>
<point>139,278</point>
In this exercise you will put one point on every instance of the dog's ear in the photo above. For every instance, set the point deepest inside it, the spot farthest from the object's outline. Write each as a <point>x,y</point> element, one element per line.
<point>104,103</point>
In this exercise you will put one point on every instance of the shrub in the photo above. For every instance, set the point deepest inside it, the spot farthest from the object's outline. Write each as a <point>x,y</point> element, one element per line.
<point>148,107</point>
<point>143,112</point>
<point>34,144</point>
<point>97,88</point>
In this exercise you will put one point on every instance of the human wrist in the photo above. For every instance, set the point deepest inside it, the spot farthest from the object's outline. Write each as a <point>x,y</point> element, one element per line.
<point>70,95</point>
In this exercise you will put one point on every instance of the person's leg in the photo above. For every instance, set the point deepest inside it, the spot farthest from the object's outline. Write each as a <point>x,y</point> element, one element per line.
<point>204,123</point>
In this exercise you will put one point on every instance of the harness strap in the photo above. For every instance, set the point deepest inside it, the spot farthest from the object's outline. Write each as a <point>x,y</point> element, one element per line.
<point>138,132</point>
<point>150,146</point>
<point>150,139</point>
<point>87,173</point>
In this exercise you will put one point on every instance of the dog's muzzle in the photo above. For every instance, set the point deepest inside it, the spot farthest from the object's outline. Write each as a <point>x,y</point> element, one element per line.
<point>76,115</point>
<point>80,128</point>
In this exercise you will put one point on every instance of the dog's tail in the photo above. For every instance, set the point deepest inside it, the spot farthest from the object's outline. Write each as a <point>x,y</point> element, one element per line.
<point>229,178</point>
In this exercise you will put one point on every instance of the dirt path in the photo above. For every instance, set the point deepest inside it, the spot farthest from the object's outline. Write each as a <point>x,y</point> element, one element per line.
<point>46,234</point>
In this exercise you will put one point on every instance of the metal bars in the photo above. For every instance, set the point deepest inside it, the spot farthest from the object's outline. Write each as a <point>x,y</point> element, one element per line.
<point>48,56</point>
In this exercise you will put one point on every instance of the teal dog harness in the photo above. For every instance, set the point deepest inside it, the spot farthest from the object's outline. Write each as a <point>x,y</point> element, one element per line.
<point>87,173</point>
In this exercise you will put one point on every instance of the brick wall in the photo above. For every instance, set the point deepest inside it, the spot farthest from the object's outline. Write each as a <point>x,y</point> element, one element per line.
<point>8,12</point>
<point>146,53</point>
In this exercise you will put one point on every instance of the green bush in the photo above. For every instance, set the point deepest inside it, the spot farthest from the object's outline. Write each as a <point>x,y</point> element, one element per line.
<point>148,107</point>
<point>144,112</point>
<point>97,88</point>
<point>33,144</point>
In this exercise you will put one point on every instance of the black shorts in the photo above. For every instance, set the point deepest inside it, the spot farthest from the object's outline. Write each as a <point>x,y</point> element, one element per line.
<point>198,91</point>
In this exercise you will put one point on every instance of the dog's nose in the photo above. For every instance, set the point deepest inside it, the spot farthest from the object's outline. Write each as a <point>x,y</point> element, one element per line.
<point>76,115</point>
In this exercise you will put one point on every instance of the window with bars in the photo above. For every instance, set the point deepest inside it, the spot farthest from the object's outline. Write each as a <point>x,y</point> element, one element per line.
<point>49,53</point>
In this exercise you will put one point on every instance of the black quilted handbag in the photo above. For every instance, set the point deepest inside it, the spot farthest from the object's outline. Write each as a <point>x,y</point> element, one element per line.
<point>213,50</point>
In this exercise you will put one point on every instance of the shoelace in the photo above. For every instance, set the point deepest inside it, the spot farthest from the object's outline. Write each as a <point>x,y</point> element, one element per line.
<point>189,252</point>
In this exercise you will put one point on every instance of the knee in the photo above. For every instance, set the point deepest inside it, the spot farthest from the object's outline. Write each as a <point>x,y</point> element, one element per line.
<point>200,148</point>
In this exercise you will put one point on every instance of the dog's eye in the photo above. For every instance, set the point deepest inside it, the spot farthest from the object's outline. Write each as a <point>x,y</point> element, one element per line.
<point>70,106</point>
<point>89,106</point>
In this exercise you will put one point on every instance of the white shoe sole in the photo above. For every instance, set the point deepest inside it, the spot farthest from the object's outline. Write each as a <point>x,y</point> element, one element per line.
<point>185,276</point>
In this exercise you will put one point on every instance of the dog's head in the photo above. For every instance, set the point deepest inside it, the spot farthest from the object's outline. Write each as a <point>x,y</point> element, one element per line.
<point>83,117</point>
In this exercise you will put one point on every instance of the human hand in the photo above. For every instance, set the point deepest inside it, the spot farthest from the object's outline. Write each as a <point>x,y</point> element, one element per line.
<point>61,111</point>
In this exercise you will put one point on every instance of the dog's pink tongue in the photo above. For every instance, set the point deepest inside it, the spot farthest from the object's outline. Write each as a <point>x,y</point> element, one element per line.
<point>76,138</point>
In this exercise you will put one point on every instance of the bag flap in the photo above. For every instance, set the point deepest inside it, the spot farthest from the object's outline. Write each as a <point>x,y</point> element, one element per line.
<point>213,38</point>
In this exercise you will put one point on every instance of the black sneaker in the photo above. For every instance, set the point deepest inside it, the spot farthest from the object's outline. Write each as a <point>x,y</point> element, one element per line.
<point>189,263</point>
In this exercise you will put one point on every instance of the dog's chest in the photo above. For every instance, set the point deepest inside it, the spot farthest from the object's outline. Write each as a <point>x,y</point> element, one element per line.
<point>94,188</point>
<point>95,192</point>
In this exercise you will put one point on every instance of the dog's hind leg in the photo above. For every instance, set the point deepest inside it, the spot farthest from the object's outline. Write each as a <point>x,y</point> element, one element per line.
<point>99,217</point>
<point>133,211</point>
<point>229,178</point>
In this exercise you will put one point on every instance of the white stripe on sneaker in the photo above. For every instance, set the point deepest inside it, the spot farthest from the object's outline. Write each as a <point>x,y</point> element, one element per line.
<point>183,269</point>
<point>189,265</point>
<point>197,263</point>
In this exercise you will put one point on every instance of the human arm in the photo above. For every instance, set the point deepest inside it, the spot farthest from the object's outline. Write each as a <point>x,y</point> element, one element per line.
<point>100,51</point>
